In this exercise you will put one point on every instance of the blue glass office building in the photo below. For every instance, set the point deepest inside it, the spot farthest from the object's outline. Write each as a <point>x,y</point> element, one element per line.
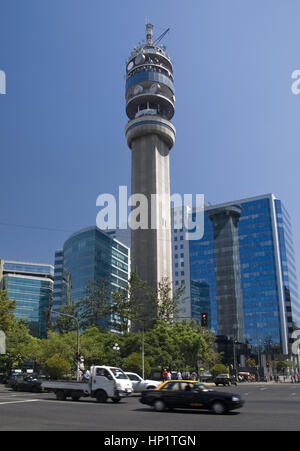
<point>31,285</point>
<point>88,255</point>
<point>271,307</point>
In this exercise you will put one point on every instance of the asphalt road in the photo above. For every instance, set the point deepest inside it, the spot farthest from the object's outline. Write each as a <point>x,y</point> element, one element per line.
<point>268,407</point>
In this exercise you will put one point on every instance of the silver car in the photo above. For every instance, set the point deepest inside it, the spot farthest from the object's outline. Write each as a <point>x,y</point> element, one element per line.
<point>139,384</point>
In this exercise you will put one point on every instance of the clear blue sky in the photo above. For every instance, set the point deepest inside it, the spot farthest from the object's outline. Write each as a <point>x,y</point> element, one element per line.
<point>62,121</point>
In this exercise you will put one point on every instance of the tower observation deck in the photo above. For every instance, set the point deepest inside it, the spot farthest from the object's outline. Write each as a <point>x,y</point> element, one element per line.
<point>150,98</point>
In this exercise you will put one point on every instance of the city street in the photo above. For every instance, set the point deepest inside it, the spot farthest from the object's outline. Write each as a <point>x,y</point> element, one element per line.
<point>268,407</point>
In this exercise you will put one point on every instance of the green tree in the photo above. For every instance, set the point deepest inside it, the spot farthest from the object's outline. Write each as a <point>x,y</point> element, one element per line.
<point>56,366</point>
<point>7,310</point>
<point>159,345</point>
<point>219,368</point>
<point>96,307</point>
<point>167,301</point>
<point>92,347</point>
<point>131,305</point>
<point>190,343</point>
<point>64,319</point>
<point>134,363</point>
<point>137,305</point>
<point>65,345</point>
<point>282,365</point>
<point>177,346</point>
<point>20,346</point>
<point>251,363</point>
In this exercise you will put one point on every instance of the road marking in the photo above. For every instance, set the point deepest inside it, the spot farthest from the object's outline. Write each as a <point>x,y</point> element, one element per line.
<point>16,402</point>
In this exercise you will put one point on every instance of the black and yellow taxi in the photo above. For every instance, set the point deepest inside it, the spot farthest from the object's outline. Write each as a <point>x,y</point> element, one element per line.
<point>186,394</point>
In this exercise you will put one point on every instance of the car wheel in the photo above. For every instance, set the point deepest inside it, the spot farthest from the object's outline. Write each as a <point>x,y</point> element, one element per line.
<point>218,408</point>
<point>116,399</point>
<point>101,396</point>
<point>60,395</point>
<point>159,405</point>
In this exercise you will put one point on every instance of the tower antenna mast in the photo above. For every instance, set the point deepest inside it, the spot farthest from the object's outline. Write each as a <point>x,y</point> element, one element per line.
<point>161,36</point>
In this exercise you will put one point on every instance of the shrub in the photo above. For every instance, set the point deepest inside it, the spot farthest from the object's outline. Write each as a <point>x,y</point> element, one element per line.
<point>219,368</point>
<point>56,366</point>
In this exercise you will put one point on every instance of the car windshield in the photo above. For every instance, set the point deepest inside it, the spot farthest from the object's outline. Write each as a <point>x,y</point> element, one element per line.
<point>118,373</point>
<point>185,385</point>
<point>134,377</point>
<point>200,386</point>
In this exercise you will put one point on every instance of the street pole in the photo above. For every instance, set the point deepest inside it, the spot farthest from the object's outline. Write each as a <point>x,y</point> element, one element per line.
<point>234,358</point>
<point>116,349</point>
<point>78,339</point>
<point>143,351</point>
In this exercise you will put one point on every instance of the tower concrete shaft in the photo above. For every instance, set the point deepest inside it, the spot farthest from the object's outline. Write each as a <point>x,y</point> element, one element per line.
<point>150,136</point>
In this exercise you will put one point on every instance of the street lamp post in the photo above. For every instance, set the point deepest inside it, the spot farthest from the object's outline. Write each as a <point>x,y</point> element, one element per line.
<point>116,348</point>
<point>78,339</point>
<point>234,357</point>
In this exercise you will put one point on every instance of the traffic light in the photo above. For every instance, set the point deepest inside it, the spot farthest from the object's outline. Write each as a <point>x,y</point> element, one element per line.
<point>78,355</point>
<point>204,319</point>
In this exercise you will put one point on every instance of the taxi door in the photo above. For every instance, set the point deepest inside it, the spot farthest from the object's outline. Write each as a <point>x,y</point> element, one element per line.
<point>172,394</point>
<point>192,398</point>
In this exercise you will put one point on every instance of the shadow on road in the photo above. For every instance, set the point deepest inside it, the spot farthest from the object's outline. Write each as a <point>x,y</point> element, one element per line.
<point>185,411</point>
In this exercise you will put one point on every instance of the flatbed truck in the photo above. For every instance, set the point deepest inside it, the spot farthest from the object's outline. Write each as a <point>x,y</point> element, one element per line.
<point>105,382</point>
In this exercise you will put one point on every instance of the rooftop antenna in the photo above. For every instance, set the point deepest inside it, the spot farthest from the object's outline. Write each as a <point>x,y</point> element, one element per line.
<point>149,33</point>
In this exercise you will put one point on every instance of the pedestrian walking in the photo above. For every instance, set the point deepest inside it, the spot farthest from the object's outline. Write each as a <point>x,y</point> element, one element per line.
<point>165,374</point>
<point>194,376</point>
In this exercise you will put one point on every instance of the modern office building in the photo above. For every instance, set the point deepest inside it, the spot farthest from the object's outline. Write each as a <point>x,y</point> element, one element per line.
<point>181,262</point>
<point>265,273</point>
<point>121,235</point>
<point>31,286</point>
<point>150,135</point>
<point>89,255</point>
<point>225,222</point>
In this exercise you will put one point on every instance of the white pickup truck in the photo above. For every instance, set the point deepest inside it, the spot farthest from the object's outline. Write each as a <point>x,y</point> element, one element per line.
<point>104,382</point>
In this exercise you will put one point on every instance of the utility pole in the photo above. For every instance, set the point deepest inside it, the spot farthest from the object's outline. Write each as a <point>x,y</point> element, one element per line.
<point>78,339</point>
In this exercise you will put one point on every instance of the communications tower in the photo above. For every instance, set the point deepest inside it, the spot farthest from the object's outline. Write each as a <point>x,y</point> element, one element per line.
<point>150,98</point>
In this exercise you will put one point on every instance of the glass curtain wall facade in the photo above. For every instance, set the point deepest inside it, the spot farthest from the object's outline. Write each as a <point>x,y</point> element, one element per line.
<point>268,274</point>
<point>180,261</point>
<point>288,265</point>
<point>31,285</point>
<point>89,255</point>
